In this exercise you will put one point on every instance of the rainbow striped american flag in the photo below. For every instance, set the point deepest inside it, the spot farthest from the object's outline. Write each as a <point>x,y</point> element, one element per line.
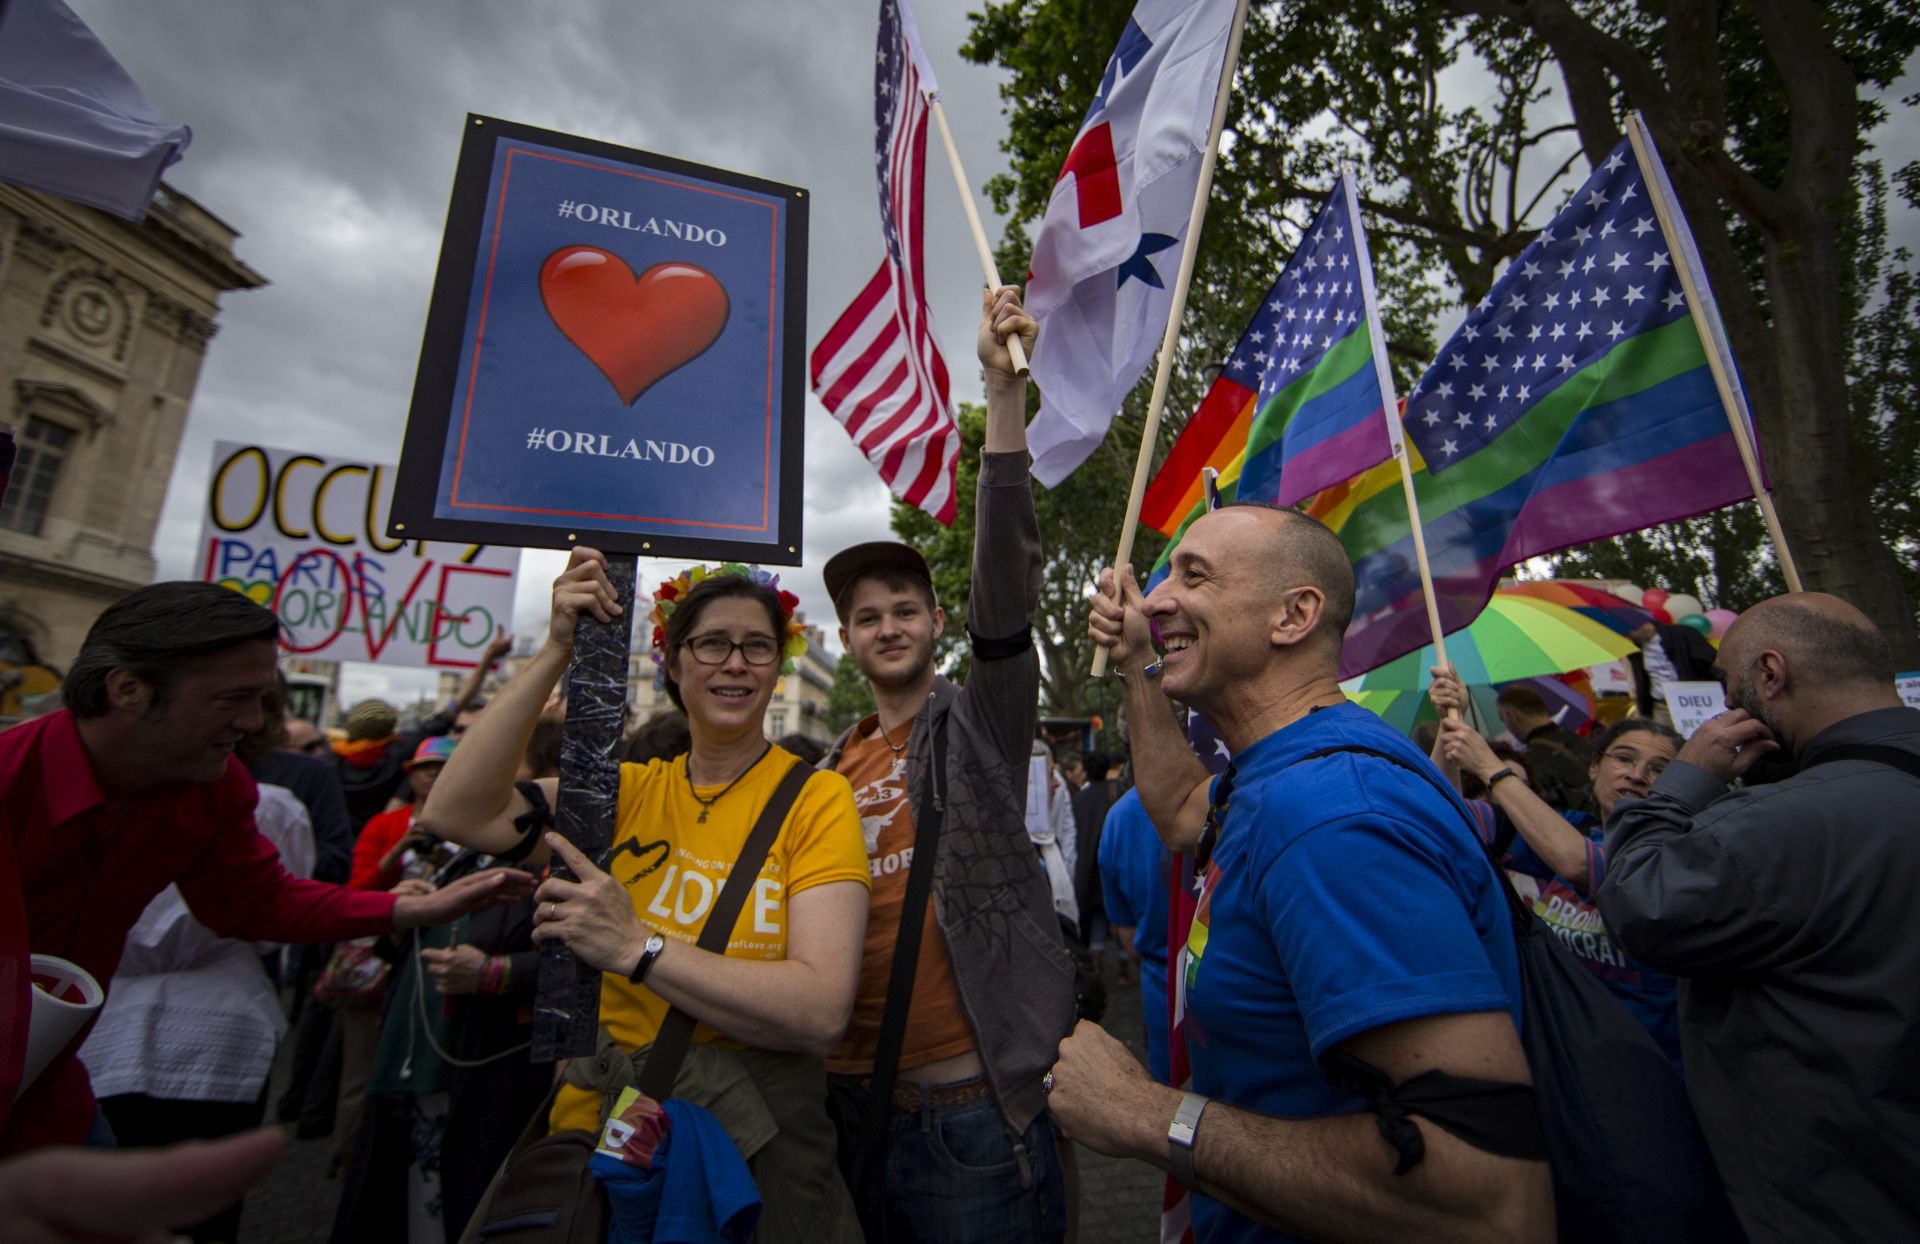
<point>1574,403</point>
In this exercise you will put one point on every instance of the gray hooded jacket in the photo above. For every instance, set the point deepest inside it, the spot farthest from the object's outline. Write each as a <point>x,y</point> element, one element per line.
<point>991,898</point>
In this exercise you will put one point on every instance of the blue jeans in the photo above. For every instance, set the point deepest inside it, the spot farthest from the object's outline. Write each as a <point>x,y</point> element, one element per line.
<point>954,1174</point>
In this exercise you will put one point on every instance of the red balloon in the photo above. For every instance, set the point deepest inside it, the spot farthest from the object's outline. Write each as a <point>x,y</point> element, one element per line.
<point>1654,598</point>
<point>1662,616</point>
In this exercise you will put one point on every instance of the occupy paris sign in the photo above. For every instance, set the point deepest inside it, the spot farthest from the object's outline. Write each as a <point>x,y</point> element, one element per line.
<point>304,535</point>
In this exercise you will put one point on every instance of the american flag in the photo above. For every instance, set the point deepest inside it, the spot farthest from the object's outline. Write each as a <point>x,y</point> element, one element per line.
<point>1600,273</point>
<point>1313,304</point>
<point>879,369</point>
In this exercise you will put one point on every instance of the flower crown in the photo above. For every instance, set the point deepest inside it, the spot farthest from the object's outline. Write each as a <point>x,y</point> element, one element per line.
<point>667,597</point>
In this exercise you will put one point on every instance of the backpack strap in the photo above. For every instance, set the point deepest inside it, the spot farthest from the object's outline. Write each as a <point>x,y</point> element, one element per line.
<point>676,1030</point>
<point>1873,753</point>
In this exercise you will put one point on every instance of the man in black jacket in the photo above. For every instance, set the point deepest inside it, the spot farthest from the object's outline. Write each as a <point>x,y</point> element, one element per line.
<point>1668,652</point>
<point>1783,910</point>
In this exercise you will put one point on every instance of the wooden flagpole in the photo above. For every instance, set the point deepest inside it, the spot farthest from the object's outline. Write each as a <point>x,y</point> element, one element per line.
<point>1673,227</point>
<point>1163,375</point>
<point>987,267</point>
<point>1390,410</point>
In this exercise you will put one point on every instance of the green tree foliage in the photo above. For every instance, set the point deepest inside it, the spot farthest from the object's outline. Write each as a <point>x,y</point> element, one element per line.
<point>1471,120</point>
<point>850,698</point>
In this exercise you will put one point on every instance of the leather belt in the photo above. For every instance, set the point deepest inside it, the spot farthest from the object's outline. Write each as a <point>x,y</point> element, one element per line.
<point>913,1098</point>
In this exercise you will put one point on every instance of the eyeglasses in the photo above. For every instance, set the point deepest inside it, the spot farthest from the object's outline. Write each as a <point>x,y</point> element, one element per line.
<point>1654,765</point>
<point>713,649</point>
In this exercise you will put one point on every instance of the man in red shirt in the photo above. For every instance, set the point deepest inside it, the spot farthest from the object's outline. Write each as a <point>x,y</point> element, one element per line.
<point>134,786</point>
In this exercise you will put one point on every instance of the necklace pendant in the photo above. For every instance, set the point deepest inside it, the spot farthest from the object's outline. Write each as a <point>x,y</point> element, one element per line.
<point>702,819</point>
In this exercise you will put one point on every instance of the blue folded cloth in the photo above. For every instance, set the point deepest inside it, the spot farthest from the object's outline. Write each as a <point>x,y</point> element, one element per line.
<point>698,1191</point>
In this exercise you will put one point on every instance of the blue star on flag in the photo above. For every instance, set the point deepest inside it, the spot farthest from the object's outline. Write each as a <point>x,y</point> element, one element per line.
<point>1139,266</point>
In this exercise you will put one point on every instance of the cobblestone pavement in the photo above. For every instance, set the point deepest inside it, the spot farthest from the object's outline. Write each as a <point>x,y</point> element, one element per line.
<point>295,1203</point>
<point>1119,1201</point>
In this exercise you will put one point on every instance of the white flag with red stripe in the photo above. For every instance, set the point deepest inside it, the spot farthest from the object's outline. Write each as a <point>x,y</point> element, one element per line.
<point>879,369</point>
<point>1107,251</point>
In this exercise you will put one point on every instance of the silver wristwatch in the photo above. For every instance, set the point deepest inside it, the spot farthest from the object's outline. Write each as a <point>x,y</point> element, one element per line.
<point>648,953</point>
<point>1186,1121</point>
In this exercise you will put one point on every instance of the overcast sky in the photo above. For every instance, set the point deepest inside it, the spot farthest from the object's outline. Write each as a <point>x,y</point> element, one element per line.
<point>326,133</point>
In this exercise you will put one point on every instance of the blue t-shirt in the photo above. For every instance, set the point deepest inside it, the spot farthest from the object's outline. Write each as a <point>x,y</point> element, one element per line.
<point>1650,996</point>
<point>1345,894</point>
<point>1134,877</point>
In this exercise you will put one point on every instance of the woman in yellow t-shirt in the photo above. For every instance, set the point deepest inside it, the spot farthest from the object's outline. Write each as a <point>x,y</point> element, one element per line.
<point>778,999</point>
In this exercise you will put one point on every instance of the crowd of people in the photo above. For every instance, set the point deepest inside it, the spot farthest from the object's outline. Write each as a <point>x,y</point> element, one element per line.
<point>856,993</point>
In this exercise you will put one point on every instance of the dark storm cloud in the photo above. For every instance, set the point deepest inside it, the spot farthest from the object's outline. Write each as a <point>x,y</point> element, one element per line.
<point>327,135</point>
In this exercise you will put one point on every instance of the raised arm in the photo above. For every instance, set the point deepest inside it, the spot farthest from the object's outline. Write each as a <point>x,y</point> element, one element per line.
<point>1174,786</point>
<point>474,803</point>
<point>1006,546</point>
<point>1559,845</point>
<point>476,678</point>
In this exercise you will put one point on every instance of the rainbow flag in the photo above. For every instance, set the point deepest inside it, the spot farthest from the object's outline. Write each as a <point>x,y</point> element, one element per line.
<point>1299,396</point>
<point>1573,404</point>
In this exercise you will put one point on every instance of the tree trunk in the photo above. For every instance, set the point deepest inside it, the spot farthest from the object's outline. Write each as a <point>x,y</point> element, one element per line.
<point>1823,494</point>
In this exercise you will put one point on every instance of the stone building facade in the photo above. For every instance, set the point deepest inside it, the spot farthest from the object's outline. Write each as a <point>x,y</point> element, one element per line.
<point>104,325</point>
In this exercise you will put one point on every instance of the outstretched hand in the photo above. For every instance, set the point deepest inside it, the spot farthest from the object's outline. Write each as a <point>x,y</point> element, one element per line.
<point>492,888</point>
<point>1001,315</point>
<point>592,915</point>
<point>1118,620</point>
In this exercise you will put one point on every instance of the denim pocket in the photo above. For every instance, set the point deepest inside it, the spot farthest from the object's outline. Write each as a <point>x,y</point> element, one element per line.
<point>974,1141</point>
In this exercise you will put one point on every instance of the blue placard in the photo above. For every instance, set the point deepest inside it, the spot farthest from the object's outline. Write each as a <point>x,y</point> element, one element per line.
<point>615,350</point>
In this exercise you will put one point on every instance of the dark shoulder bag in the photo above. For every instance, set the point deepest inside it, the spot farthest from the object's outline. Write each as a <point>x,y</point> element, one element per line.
<point>1628,1159</point>
<point>545,1192</point>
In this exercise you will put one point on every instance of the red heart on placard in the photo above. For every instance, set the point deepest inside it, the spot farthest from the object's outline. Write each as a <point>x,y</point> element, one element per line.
<point>635,329</point>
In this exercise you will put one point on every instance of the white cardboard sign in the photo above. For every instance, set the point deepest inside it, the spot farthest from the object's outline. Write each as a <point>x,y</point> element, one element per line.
<point>1693,704</point>
<point>305,535</point>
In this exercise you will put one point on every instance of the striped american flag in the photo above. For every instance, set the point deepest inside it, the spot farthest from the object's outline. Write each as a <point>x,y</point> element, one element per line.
<point>879,369</point>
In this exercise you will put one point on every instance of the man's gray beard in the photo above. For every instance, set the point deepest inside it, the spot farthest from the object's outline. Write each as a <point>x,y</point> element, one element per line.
<point>1748,699</point>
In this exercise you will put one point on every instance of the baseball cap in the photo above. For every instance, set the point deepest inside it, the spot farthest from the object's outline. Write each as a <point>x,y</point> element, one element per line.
<point>849,564</point>
<point>433,751</point>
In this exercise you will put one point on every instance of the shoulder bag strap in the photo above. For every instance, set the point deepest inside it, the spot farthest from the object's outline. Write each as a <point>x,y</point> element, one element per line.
<point>676,1030</point>
<point>1877,753</point>
<point>927,820</point>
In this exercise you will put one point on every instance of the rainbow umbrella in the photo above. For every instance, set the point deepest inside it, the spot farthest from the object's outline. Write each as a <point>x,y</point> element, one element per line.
<point>1586,600</point>
<point>1515,637</point>
<point>1404,710</point>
